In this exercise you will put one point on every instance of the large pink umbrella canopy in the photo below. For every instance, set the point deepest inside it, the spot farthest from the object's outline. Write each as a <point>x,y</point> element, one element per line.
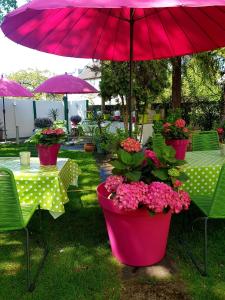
<point>101,29</point>
<point>10,88</point>
<point>119,30</point>
<point>65,84</point>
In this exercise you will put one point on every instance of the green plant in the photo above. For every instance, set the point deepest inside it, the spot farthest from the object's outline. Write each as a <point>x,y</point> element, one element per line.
<point>48,136</point>
<point>53,114</point>
<point>43,123</point>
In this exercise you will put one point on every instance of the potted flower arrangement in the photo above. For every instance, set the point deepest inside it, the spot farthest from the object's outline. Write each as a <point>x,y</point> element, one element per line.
<point>177,135</point>
<point>48,141</point>
<point>138,200</point>
<point>75,120</point>
<point>221,134</point>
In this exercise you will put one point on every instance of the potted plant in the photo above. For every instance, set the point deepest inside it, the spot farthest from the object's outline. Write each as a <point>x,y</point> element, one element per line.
<point>221,134</point>
<point>75,120</point>
<point>89,146</point>
<point>177,135</point>
<point>48,141</point>
<point>43,123</point>
<point>138,201</point>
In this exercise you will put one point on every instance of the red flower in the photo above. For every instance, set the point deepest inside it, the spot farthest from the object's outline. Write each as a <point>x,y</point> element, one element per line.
<point>131,145</point>
<point>180,123</point>
<point>185,129</point>
<point>220,130</point>
<point>48,131</point>
<point>166,125</point>
<point>59,131</point>
<point>177,183</point>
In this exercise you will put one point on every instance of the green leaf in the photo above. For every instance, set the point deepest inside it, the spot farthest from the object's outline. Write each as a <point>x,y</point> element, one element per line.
<point>118,165</point>
<point>133,176</point>
<point>125,157</point>
<point>138,159</point>
<point>162,174</point>
<point>183,177</point>
<point>151,213</point>
<point>117,172</point>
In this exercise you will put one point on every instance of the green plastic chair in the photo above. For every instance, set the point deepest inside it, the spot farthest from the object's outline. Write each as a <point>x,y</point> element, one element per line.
<point>158,140</point>
<point>205,140</point>
<point>14,216</point>
<point>212,207</point>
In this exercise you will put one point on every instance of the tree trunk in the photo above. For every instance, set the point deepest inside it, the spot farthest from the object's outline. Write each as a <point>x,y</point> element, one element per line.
<point>176,82</point>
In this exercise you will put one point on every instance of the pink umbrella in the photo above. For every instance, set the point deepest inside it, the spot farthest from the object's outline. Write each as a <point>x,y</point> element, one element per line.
<point>119,30</point>
<point>65,84</point>
<point>10,88</point>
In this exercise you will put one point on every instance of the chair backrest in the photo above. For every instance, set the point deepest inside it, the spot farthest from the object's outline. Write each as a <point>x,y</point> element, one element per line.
<point>158,140</point>
<point>205,140</point>
<point>10,211</point>
<point>217,209</point>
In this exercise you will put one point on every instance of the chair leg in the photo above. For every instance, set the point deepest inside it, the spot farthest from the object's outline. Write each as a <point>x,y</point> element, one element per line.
<point>203,271</point>
<point>31,284</point>
<point>28,258</point>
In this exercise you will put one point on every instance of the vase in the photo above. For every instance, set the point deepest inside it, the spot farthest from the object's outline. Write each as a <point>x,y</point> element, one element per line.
<point>89,147</point>
<point>136,238</point>
<point>180,146</point>
<point>48,154</point>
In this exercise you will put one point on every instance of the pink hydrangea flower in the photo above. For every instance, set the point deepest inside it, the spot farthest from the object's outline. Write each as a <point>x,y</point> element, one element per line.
<point>166,125</point>
<point>152,155</point>
<point>131,145</point>
<point>180,123</point>
<point>159,196</point>
<point>130,195</point>
<point>112,183</point>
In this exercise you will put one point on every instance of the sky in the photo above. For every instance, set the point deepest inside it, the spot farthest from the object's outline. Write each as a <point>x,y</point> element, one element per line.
<point>14,57</point>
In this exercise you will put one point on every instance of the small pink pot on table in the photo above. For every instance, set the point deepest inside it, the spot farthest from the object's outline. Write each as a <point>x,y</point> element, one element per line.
<point>180,146</point>
<point>48,154</point>
<point>136,238</point>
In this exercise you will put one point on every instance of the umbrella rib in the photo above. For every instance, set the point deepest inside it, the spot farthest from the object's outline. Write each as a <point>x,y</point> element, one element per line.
<point>116,17</point>
<point>149,32</point>
<point>170,44</point>
<point>202,29</point>
<point>116,35</point>
<point>100,35</point>
<point>190,42</point>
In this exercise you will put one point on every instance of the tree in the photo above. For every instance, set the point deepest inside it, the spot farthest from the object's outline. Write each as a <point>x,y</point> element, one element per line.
<point>6,6</point>
<point>31,79</point>
<point>149,79</point>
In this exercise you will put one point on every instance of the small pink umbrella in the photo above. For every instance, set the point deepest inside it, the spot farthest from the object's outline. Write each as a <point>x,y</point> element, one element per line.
<point>10,88</point>
<point>119,30</point>
<point>65,84</point>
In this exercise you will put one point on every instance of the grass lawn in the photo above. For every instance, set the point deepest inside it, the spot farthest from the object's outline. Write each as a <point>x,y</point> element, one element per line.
<point>80,265</point>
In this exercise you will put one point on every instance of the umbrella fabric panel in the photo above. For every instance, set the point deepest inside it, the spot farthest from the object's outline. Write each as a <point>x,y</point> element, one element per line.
<point>103,33</point>
<point>65,84</point>
<point>10,88</point>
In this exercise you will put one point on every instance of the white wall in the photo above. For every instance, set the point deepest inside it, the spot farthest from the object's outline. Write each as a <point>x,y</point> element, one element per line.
<point>21,114</point>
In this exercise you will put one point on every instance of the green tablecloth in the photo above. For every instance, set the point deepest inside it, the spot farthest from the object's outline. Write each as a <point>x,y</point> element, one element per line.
<point>203,168</point>
<point>46,185</point>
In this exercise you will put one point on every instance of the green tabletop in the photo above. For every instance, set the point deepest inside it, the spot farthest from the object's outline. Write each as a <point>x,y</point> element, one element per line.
<point>47,185</point>
<point>202,168</point>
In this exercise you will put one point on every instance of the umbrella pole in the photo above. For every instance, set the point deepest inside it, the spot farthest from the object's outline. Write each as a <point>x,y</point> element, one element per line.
<point>5,134</point>
<point>66,111</point>
<point>131,70</point>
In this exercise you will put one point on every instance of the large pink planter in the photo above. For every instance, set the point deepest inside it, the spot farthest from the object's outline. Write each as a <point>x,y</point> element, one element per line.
<point>136,238</point>
<point>180,147</point>
<point>48,154</point>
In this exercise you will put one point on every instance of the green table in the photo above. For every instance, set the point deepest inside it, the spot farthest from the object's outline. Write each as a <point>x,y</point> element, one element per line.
<point>202,168</point>
<point>46,185</point>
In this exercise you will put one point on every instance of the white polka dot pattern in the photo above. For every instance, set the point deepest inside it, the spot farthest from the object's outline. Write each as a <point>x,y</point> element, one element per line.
<point>47,185</point>
<point>203,168</point>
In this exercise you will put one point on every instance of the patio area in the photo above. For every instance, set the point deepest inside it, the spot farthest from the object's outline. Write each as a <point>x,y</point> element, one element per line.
<point>80,264</point>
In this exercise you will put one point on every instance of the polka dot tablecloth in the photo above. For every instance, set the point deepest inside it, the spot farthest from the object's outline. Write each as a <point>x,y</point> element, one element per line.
<point>46,185</point>
<point>203,168</point>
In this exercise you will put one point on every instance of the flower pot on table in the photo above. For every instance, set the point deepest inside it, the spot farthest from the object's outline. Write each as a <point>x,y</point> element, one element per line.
<point>180,146</point>
<point>48,154</point>
<point>89,147</point>
<point>136,238</point>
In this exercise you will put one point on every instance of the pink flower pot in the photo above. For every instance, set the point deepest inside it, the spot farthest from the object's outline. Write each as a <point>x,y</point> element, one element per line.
<point>136,238</point>
<point>48,154</point>
<point>180,146</point>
